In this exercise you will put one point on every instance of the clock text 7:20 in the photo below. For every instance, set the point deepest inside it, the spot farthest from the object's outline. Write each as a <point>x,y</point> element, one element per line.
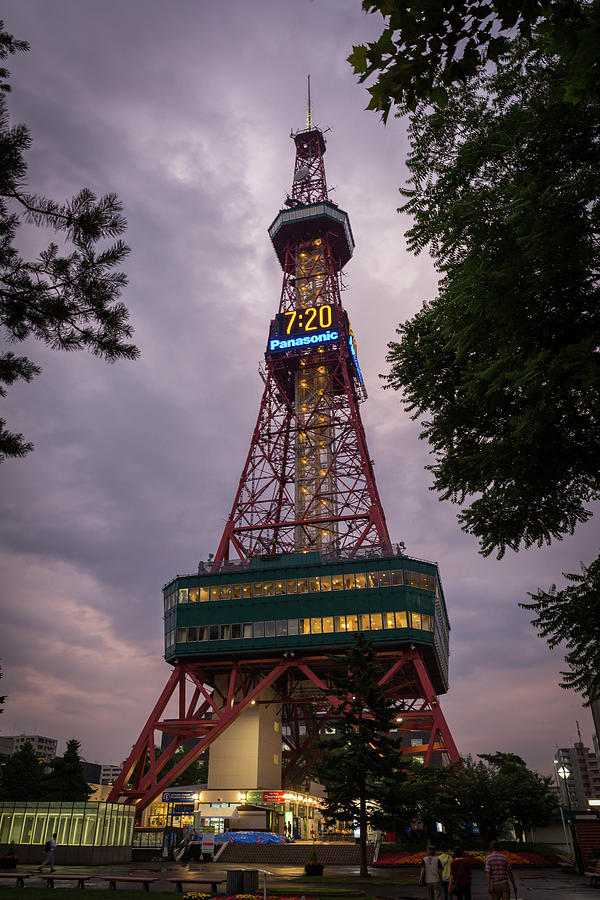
<point>307,318</point>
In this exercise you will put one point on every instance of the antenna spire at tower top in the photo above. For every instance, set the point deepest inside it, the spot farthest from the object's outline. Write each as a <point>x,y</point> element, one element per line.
<point>308,109</point>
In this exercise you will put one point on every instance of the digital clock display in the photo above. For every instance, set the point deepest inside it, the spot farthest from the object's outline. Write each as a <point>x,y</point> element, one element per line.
<point>313,325</point>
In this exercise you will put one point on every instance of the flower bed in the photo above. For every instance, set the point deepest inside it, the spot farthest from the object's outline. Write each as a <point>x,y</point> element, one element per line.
<point>475,857</point>
<point>197,895</point>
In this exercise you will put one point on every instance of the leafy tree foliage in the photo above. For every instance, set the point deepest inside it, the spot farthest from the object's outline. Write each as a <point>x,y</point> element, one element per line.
<point>66,780</point>
<point>410,792</point>
<point>67,298</point>
<point>496,788</point>
<point>358,757</point>
<point>572,616</point>
<point>425,49</point>
<point>196,772</point>
<point>501,787</point>
<point>504,362</point>
<point>21,776</point>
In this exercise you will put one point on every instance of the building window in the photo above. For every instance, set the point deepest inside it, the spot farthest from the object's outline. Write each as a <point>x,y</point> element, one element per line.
<point>351,623</point>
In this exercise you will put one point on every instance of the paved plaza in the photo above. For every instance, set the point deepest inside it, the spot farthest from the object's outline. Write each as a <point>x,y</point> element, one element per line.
<point>532,883</point>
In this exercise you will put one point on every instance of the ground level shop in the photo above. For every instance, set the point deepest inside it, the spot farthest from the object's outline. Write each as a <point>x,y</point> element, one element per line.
<point>284,812</point>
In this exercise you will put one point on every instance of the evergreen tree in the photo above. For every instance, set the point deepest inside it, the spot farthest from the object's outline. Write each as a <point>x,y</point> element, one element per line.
<point>196,772</point>
<point>21,776</point>
<point>361,753</point>
<point>66,298</point>
<point>66,780</point>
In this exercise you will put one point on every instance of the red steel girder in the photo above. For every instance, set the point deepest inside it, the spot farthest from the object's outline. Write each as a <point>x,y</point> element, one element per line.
<point>298,682</point>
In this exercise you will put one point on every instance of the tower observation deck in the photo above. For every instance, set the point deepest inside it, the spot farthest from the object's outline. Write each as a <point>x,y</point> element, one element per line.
<point>305,560</point>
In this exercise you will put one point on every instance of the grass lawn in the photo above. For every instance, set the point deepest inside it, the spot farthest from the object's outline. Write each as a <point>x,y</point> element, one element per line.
<point>69,893</point>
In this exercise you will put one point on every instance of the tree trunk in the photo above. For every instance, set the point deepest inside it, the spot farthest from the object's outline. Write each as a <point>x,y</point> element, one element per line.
<point>364,866</point>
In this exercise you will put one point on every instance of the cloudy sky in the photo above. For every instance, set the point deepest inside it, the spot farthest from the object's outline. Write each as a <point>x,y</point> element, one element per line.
<point>185,110</point>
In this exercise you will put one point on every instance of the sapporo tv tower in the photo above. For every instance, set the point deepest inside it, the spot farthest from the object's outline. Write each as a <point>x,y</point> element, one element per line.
<point>305,560</point>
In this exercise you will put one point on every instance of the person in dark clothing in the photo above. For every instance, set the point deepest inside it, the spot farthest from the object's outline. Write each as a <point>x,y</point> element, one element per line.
<point>48,860</point>
<point>460,876</point>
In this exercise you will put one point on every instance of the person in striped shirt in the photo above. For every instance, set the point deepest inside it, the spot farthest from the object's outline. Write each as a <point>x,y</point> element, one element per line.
<point>499,874</point>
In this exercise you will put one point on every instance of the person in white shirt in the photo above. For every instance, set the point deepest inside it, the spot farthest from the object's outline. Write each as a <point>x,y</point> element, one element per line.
<point>431,875</point>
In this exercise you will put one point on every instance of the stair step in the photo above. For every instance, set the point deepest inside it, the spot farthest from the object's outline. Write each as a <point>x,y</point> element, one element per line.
<point>294,854</point>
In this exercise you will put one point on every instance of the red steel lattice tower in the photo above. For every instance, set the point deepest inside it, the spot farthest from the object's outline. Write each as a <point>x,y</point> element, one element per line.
<point>308,481</point>
<point>306,536</point>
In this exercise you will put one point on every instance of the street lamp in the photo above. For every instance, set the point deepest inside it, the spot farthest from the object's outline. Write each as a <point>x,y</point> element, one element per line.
<point>564,772</point>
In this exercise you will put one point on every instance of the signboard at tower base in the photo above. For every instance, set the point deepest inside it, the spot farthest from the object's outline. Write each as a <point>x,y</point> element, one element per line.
<point>208,839</point>
<point>265,796</point>
<point>178,797</point>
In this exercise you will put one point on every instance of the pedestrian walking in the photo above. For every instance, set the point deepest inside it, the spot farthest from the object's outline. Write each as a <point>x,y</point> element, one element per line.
<point>499,874</point>
<point>460,876</point>
<point>445,860</point>
<point>48,860</point>
<point>431,875</point>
